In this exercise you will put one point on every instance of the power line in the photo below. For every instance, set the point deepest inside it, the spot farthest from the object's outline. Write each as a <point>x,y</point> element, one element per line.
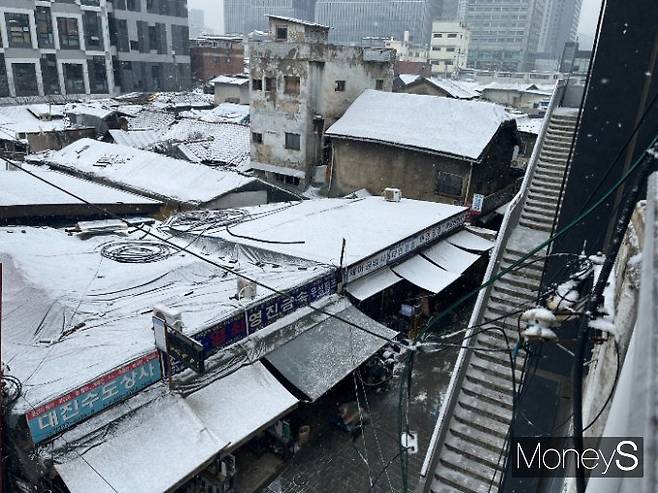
<point>202,258</point>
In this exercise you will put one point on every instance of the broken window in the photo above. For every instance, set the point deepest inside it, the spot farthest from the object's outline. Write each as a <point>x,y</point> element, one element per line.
<point>69,36</point>
<point>25,79</point>
<point>73,79</point>
<point>93,31</point>
<point>340,85</point>
<point>449,184</point>
<point>18,30</point>
<point>270,84</point>
<point>97,75</point>
<point>50,74</point>
<point>44,23</point>
<point>257,84</point>
<point>379,84</point>
<point>293,141</point>
<point>281,33</point>
<point>292,85</point>
<point>257,138</point>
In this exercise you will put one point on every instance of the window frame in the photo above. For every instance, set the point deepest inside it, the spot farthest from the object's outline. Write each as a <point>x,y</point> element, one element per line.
<point>66,36</point>
<point>292,85</point>
<point>256,84</point>
<point>278,30</point>
<point>257,137</point>
<point>293,141</point>
<point>340,86</point>
<point>442,189</point>
<point>25,38</point>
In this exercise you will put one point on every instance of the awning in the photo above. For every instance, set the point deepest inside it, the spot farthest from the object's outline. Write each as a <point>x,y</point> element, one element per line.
<point>372,283</point>
<point>424,274</point>
<point>449,257</point>
<point>151,450</point>
<point>469,241</point>
<point>322,356</point>
<point>242,403</point>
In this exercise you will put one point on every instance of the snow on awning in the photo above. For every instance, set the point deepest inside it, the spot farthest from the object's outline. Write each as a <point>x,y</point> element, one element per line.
<point>372,283</point>
<point>242,403</point>
<point>424,274</point>
<point>468,241</point>
<point>449,257</point>
<point>153,449</point>
<point>322,356</point>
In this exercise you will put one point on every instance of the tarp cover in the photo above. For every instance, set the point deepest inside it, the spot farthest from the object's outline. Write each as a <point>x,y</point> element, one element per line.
<point>449,257</point>
<point>424,274</point>
<point>322,356</point>
<point>241,403</point>
<point>469,241</point>
<point>151,450</point>
<point>372,283</point>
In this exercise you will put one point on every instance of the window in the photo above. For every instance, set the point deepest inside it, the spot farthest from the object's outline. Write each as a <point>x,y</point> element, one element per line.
<point>134,45</point>
<point>340,86</point>
<point>292,85</point>
<point>257,84</point>
<point>450,49</point>
<point>44,24</point>
<point>25,79</point>
<point>18,30</point>
<point>289,180</point>
<point>153,38</point>
<point>73,78</point>
<point>257,138</point>
<point>97,75</point>
<point>49,74</point>
<point>93,35</point>
<point>449,184</point>
<point>69,36</point>
<point>452,35</point>
<point>134,5</point>
<point>270,84</point>
<point>281,33</point>
<point>437,35</point>
<point>293,141</point>
<point>379,84</point>
<point>156,77</point>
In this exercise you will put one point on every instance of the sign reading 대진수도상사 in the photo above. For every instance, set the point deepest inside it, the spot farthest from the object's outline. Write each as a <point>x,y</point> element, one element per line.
<point>59,414</point>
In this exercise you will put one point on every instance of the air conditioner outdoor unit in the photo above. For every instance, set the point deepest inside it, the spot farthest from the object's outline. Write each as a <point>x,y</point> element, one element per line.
<point>173,318</point>
<point>246,289</point>
<point>392,194</point>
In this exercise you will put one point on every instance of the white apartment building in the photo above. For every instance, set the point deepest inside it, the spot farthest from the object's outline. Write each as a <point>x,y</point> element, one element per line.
<point>448,47</point>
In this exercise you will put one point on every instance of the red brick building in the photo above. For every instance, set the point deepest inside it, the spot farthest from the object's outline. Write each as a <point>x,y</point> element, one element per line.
<point>216,55</point>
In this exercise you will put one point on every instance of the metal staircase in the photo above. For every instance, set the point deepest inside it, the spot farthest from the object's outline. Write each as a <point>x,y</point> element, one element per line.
<point>467,449</point>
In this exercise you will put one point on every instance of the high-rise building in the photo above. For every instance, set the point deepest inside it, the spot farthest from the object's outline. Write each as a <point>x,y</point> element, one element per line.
<point>353,20</point>
<point>504,33</point>
<point>245,16</point>
<point>197,21</point>
<point>559,26</point>
<point>98,47</point>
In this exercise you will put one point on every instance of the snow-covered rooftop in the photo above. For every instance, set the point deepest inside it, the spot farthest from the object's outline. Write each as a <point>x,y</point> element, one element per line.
<point>71,313</point>
<point>528,125</point>
<point>432,123</point>
<point>223,113</point>
<point>145,172</point>
<point>15,120</point>
<point>297,21</point>
<point>21,189</point>
<point>151,119</point>
<point>139,139</point>
<point>314,229</point>
<point>233,81</point>
<point>454,88</point>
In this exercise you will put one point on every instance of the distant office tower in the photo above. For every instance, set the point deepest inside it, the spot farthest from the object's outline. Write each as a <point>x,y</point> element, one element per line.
<point>559,26</point>
<point>245,16</point>
<point>353,20</point>
<point>448,11</point>
<point>197,21</point>
<point>504,33</point>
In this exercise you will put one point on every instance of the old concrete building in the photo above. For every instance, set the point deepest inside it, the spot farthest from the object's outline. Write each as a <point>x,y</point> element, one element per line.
<point>431,148</point>
<point>229,89</point>
<point>300,85</point>
<point>449,47</point>
<point>92,47</point>
<point>212,55</point>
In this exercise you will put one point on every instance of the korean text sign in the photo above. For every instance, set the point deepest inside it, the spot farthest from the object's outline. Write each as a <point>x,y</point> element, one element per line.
<point>55,416</point>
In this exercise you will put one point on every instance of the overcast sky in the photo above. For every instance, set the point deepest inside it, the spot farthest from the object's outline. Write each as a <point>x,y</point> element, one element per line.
<point>588,16</point>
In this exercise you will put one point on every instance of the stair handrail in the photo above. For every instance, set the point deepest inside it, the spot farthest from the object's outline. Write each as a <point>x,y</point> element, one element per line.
<point>510,221</point>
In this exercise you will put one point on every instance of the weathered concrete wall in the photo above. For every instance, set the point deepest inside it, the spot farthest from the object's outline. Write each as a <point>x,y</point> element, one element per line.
<point>225,92</point>
<point>318,104</point>
<point>376,166</point>
<point>38,142</point>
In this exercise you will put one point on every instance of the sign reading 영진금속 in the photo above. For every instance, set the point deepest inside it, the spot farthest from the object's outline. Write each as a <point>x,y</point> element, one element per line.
<point>65,411</point>
<point>240,325</point>
<point>404,248</point>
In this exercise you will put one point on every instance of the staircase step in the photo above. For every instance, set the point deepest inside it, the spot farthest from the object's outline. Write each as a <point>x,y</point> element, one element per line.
<point>485,380</point>
<point>489,395</point>
<point>472,469</point>
<point>472,452</point>
<point>448,480</point>
<point>485,440</point>
<point>535,226</point>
